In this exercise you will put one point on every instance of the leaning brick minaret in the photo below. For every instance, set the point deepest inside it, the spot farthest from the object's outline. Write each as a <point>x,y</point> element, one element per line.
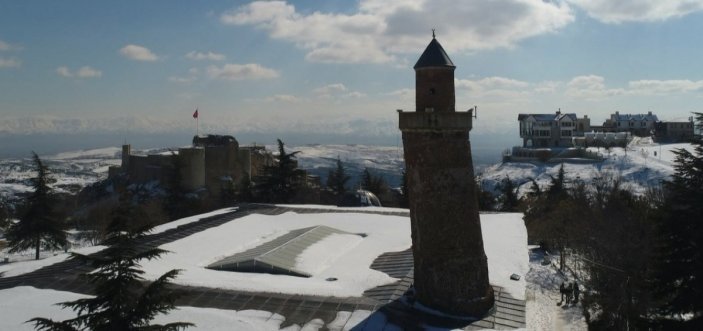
<point>451,271</point>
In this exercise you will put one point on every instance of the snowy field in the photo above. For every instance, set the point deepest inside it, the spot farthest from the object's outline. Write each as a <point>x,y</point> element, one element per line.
<point>643,164</point>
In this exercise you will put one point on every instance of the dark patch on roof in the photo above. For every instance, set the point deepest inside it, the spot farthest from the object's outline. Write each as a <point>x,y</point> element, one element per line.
<point>434,56</point>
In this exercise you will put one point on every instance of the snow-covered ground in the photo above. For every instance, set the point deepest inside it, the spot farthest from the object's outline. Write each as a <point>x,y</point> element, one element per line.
<point>20,304</point>
<point>643,164</point>
<point>24,262</point>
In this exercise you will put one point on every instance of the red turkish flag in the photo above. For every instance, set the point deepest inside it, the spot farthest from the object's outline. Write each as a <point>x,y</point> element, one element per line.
<point>195,115</point>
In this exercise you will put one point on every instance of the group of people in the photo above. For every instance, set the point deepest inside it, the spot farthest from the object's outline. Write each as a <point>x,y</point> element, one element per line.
<point>570,291</point>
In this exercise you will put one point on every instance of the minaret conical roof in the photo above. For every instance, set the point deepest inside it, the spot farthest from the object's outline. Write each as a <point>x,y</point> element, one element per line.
<point>434,56</point>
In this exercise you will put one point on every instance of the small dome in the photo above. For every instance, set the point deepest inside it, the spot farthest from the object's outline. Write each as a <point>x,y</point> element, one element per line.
<point>359,198</point>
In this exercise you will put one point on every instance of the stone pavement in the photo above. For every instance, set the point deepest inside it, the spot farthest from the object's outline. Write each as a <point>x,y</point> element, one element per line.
<point>388,303</point>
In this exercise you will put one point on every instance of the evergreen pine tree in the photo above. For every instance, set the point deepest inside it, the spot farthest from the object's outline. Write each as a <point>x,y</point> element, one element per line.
<point>557,188</point>
<point>374,184</point>
<point>39,222</point>
<point>282,180</point>
<point>4,216</point>
<point>486,200</point>
<point>121,301</point>
<point>680,280</point>
<point>508,198</point>
<point>338,178</point>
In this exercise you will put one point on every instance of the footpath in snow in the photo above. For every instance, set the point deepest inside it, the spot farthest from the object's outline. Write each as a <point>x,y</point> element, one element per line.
<point>545,311</point>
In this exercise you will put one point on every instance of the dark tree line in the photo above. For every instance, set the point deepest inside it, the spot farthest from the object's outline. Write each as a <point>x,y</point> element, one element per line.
<point>680,283</point>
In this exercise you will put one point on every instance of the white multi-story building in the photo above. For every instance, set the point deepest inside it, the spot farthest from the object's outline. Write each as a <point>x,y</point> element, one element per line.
<point>637,124</point>
<point>551,130</point>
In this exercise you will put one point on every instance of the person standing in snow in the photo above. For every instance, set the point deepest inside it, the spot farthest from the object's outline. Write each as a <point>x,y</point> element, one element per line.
<point>562,290</point>
<point>568,292</point>
<point>576,290</point>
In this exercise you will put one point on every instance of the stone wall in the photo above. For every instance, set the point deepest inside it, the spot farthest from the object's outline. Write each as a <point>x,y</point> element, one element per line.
<point>434,89</point>
<point>192,161</point>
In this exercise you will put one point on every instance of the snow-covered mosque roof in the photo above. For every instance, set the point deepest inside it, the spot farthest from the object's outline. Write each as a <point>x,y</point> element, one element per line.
<point>356,282</point>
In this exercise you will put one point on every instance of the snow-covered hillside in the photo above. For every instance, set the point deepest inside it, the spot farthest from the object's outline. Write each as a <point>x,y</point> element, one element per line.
<point>71,171</point>
<point>381,160</point>
<point>643,164</point>
<point>77,169</point>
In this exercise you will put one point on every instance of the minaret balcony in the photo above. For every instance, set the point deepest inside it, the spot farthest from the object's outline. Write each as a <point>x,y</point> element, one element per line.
<point>435,121</point>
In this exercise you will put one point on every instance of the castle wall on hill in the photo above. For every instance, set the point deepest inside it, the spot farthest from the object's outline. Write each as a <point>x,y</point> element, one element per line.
<point>213,163</point>
<point>192,163</point>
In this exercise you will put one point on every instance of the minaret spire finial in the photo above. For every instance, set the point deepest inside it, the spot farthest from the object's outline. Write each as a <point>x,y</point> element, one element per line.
<point>433,34</point>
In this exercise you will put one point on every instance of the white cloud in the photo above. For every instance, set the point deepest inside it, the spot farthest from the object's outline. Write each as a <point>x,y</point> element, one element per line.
<point>594,87</point>
<point>609,11</point>
<point>5,46</point>
<point>664,86</point>
<point>547,87</point>
<point>64,71</point>
<point>210,56</point>
<point>241,72</point>
<point>354,94</point>
<point>191,77</point>
<point>10,63</point>
<point>336,90</point>
<point>491,83</point>
<point>138,53</point>
<point>380,30</point>
<point>331,88</point>
<point>492,88</point>
<point>283,98</point>
<point>88,72</point>
<point>82,72</point>
<point>181,80</point>
<point>590,87</point>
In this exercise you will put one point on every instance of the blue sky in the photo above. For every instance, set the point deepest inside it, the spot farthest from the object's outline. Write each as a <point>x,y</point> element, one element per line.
<point>337,67</point>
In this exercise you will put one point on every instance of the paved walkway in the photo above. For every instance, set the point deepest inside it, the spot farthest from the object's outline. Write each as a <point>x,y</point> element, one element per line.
<point>390,310</point>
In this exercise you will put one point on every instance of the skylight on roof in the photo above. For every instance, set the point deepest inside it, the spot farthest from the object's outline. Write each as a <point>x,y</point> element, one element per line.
<point>302,252</point>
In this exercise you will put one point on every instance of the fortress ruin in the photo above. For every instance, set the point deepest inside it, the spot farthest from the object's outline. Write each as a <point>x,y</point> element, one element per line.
<point>213,163</point>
